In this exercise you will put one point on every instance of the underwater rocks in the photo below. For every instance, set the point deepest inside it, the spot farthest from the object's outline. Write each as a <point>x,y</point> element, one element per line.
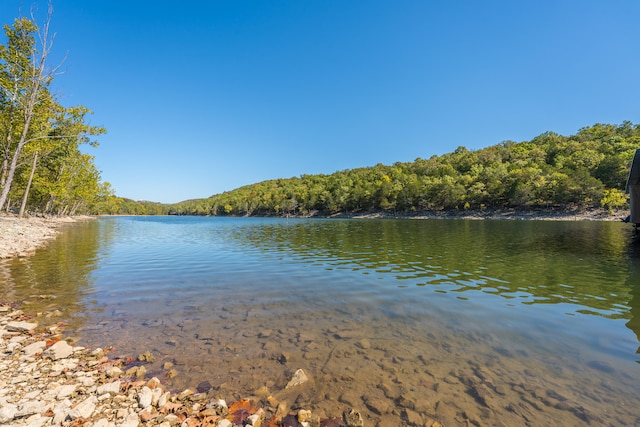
<point>46,381</point>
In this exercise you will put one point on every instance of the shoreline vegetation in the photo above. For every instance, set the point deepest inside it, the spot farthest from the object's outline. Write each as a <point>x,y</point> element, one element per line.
<point>46,380</point>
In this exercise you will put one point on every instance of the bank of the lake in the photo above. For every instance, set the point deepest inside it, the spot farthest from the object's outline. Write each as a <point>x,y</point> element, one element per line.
<point>22,236</point>
<point>44,380</point>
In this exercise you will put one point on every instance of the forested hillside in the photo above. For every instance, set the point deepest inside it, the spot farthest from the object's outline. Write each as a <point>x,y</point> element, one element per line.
<point>585,170</point>
<point>43,169</point>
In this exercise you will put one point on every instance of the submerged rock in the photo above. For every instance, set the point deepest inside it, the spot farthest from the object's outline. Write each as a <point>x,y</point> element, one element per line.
<point>299,377</point>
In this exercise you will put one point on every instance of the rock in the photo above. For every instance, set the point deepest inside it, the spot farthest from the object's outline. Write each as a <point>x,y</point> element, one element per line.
<point>84,409</point>
<point>300,377</point>
<point>131,420</point>
<point>220,407</point>
<point>364,344</point>
<point>35,348</point>
<point>353,418</point>
<point>136,371</point>
<point>114,372</point>
<point>31,407</point>
<point>156,394</point>
<point>413,417</point>
<point>145,397</point>
<point>112,388</point>
<point>225,423</point>
<point>102,422</point>
<point>64,391</point>
<point>20,326</point>
<point>7,412</point>
<point>146,357</point>
<point>303,415</point>
<point>60,411</point>
<point>379,406</point>
<point>59,350</point>
<point>163,399</point>
<point>255,420</point>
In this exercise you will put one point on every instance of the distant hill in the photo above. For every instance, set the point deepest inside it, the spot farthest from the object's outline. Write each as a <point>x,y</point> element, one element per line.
<point>585,170</point>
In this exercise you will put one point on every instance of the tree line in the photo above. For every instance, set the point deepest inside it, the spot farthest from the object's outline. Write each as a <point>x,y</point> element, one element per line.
<point>585,170</point>
<point>43,169</point>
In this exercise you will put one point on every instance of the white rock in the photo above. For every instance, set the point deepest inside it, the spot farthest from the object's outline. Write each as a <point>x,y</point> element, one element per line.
<point>31,407</point>
<point>59,350</point>
<point>87,381</point>
<point>225,423</point>
<point>300,377</point>
<point>7,412</point>
<point>114,372</point>
<point>253,420</point>
<point>172,419</point>
<point>20,326</point>
<point>60,411</point>
<point>163,399</point>
<point>84,409</point>
<point>102,422</point>
<point>31,395</point>
<point>64,391</point>
<point>144,397</point>
<point>12,347</point>
<point>112,388</point>
<point>35,348</point>
<point>37,420</point>
<point>156,394</point>
<point>132,420</point>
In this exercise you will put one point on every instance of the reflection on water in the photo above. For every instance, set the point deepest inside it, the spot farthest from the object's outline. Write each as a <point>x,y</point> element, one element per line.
<point>542,262</point>
<point>476,322</point>
<point>60,275</point>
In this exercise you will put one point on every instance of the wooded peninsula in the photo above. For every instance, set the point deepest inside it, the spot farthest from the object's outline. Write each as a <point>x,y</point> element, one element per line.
<point>581,171</point>
<point>43,170</point>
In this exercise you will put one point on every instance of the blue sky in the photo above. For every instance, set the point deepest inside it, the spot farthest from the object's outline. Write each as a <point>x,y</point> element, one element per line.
<point>201,97</point>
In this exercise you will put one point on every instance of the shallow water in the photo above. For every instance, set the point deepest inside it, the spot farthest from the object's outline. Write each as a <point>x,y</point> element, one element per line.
<point>481,322</point>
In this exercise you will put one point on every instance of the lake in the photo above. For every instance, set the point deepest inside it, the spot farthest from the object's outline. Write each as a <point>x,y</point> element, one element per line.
<point>466,322</point>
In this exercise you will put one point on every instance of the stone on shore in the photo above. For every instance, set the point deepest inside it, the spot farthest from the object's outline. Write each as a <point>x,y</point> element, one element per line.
<point>60,350</point>
<point>84,409</point>
<point>63,385</point>
<point>35,348</point>
<point>21,326</point>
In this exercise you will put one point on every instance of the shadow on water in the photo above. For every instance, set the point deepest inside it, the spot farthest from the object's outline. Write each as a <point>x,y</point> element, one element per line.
<point>59,275</point>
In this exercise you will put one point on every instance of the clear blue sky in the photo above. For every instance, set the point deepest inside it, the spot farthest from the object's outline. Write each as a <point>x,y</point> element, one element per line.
<point>200,97</point>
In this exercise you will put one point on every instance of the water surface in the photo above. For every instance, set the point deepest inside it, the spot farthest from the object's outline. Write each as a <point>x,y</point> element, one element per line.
<point>481,322</point>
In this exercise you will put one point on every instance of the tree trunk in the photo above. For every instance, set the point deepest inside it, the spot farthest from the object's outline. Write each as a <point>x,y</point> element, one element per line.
<point>37,79</point>
<point>26,191</point>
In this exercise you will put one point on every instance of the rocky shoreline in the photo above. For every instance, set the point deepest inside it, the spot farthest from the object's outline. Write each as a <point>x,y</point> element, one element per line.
<point>22,236</point>
<point>44,381</point>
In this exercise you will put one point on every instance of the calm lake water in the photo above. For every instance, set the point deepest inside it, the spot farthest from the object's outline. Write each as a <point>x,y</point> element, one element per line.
<point>465,322</point>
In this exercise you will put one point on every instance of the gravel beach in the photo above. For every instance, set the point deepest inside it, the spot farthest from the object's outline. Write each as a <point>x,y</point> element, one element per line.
<point>21,236</point>
<point>46,381</point>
